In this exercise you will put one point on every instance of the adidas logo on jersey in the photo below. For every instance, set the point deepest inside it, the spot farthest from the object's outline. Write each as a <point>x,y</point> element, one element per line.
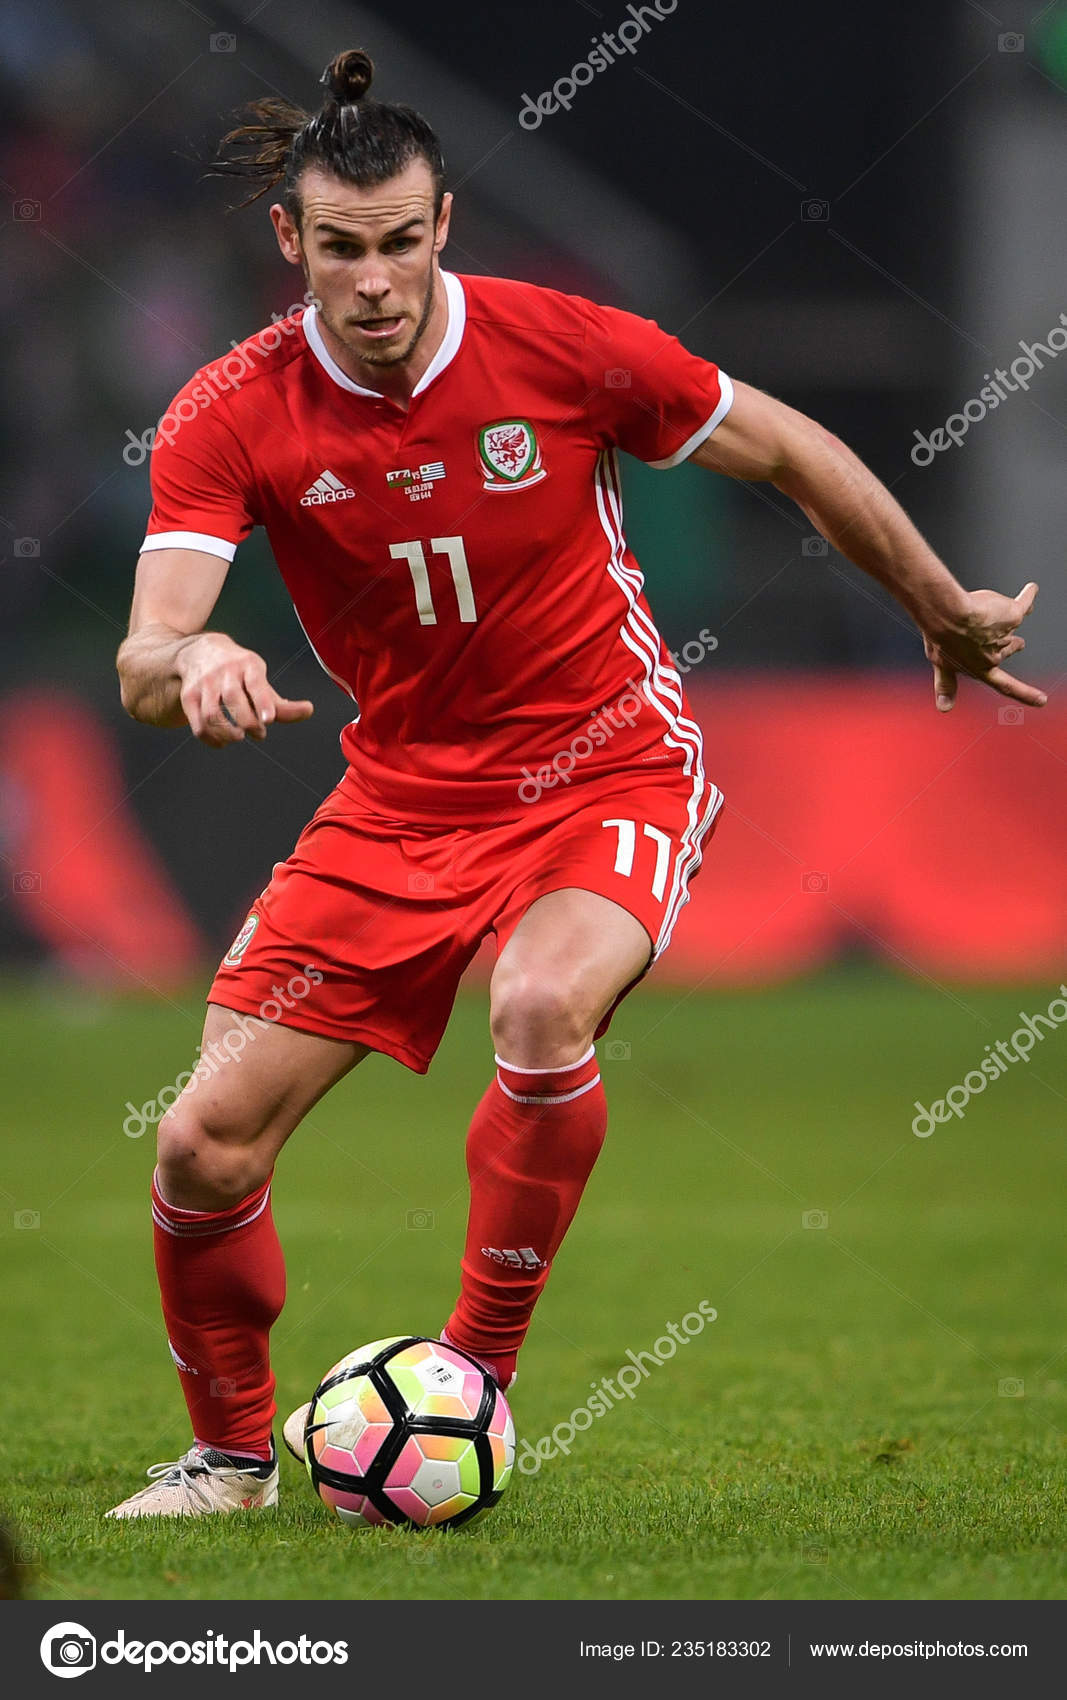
<point>524,1258</point>
<point>326,488</point>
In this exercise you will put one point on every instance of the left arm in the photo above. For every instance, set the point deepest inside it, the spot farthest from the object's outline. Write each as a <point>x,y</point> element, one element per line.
<point>971,632</point>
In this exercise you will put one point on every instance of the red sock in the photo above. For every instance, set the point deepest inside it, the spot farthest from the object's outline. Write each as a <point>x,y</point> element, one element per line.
<point>222,1285</point>
<point>531,1148</point>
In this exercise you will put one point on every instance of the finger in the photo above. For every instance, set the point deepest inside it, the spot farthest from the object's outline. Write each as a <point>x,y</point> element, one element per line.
<point>1017,689</point>
<point>238,707</point>
<point>287,711</point>
<point>230,717</point>
<point>259,694</point>
<point>945,686</point>
<point>1025,600</point>
<point>216,727</point>
<point>190,702</point>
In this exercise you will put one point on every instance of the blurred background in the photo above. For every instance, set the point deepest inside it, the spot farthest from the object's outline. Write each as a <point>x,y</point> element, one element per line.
<point>858,209</point>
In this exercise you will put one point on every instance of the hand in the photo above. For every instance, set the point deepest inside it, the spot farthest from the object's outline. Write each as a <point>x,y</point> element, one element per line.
<point>979,643</point>
<point>225,694</point>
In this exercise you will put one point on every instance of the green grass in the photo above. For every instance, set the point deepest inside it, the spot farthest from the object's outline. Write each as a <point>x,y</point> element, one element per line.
<point>838,1432</point>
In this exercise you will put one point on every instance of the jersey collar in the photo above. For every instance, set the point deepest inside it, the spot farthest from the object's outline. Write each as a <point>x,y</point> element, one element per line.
<point>450,342</point>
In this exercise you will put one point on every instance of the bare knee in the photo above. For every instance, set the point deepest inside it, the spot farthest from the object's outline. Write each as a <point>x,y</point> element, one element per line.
<point>538,1020</point>
<point>207,1164</point>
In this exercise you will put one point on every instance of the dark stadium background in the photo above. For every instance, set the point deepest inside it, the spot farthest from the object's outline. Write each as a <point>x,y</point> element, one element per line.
<point>860,211</point>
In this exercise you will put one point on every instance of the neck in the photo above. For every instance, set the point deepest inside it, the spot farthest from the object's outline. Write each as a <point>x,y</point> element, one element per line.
<point>397,380</point>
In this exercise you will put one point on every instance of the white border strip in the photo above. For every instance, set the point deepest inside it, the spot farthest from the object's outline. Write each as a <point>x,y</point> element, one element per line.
<point>449,347</point>
<point>562,1068</point>
<point>200,540</point>
<point>662,687</point>
<point>548,1097</point>
<point>197,1231</point>
<point>726,401</point>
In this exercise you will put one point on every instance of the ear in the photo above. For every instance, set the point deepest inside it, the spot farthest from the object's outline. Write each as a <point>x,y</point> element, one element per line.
<point>441,233</point>
<point>287,233</point>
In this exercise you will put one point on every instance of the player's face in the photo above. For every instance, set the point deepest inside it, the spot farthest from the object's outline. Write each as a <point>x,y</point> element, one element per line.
<point>368,256</point>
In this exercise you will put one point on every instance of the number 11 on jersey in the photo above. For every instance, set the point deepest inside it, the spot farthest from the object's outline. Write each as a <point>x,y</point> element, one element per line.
<point>624,856</point>
<point>415,556</point>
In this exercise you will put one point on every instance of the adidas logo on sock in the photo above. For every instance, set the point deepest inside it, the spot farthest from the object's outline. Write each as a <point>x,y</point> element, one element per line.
<point>524,1258</point>
<point>326,488</point>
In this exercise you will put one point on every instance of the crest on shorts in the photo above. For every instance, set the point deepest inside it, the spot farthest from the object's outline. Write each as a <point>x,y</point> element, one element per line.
<point>510,455</point>
<point>241,942</point>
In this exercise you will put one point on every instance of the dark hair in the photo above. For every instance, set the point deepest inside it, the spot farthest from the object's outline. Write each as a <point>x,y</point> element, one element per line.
<point>359,140</point>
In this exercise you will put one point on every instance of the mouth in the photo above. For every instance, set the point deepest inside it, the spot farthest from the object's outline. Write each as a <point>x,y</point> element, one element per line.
<point>379,329</point>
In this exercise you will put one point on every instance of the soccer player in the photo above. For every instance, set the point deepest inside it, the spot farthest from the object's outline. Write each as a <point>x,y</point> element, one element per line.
<point>434,458</point>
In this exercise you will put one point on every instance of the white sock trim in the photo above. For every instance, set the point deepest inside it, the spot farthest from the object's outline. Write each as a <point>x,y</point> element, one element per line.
<point>547,1097</point>
<point>515,1069</point>
<point>190,1230</point>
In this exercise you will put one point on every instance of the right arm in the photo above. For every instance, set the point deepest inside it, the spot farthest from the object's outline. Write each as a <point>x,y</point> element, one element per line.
<point>174,673</point>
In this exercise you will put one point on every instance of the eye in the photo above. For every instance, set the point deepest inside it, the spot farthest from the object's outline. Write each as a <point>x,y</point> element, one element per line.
<point>401,245</point>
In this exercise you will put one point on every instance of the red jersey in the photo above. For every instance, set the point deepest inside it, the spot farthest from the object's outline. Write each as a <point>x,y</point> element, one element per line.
<point>460,568</point>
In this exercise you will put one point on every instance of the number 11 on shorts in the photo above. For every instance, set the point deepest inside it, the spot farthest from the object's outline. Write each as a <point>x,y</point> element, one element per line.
<point>627,850</point>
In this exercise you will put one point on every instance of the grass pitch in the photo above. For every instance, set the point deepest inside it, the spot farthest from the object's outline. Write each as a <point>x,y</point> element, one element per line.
<point>879,1410</point>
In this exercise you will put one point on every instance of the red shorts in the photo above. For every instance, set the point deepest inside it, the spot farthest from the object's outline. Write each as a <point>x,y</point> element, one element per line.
<point>364,933</point>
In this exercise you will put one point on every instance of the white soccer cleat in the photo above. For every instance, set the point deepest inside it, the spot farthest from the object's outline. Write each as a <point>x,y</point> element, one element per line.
<point>293,1430</point>
<point>201,1484</point>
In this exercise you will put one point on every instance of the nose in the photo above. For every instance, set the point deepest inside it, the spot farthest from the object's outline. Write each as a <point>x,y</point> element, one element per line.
<point>372,283</point>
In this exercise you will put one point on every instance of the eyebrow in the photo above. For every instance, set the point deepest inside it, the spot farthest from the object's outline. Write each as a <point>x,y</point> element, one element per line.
<point>335,230</point>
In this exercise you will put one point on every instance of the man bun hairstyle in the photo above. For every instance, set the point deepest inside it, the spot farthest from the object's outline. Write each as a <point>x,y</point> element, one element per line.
<point>354,138</point>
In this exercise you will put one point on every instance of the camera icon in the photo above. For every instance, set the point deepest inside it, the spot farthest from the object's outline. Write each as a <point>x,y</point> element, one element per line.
<point>27,548</point>
<point>617,1050</point>
<point>617,378</point>
<point>223,42</point>
<point>222,1387</point>
<point>1010,1387</point>
<point>25,212</point>
<point>25,881</point>
<point>815,1219</point>
<point>27,1219</point>
<point>815,884</point>
<point>418,1219</point>
<point>814,547</point>
<point>815,212</point>
<point>1011,42</point>
<point>1009,715</point>
<point>68,1649</point>
<point>421,882</point>
<point>816,1555</point>
<point>420,1552</point>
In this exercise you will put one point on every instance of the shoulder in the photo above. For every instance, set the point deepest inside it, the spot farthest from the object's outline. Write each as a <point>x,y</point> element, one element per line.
<point>512,304</point>
<point>219,384</point>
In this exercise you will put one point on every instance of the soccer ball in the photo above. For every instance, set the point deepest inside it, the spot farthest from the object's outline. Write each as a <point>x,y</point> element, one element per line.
<point>407,1430</point>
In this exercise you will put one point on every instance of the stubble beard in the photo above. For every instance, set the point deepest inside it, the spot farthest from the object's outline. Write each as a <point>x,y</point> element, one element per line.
<point>385,357</point>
